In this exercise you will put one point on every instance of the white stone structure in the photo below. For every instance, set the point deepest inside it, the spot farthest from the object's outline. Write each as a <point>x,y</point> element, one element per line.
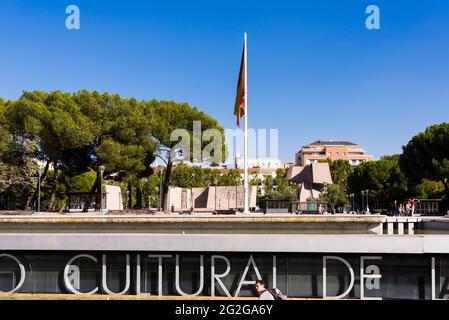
<point>203,199</point>
<point>313,178</point>
<point>114,200</point>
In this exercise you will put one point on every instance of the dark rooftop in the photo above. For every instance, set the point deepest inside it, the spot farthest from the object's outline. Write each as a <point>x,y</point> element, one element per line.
<point>333,143</point>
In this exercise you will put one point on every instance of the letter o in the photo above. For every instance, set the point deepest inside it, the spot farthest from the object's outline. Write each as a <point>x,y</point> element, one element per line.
<point>67,283</point>
<point>22,271</point>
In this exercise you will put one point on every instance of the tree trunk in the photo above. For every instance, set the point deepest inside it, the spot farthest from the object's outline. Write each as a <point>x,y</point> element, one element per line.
<point>61,209</point>
<point>165,186</point>
<point>33,199</point>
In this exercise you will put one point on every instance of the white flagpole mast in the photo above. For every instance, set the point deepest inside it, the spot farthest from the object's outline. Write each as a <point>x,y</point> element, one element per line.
<point>245,174</point>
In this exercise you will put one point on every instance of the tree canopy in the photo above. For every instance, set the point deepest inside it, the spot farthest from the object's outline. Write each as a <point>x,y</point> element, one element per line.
<point>426,156</point>
<point>334,196</point>
<point>383,178</point>
<point>172,116</point>
<point>74,134</point>
<point>340,172</point>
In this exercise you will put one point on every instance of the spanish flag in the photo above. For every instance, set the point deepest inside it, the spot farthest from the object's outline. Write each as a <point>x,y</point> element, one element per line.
<point>239,107</point>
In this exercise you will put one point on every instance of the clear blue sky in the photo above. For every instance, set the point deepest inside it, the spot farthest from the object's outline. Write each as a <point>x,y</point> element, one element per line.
<point>315,71</point>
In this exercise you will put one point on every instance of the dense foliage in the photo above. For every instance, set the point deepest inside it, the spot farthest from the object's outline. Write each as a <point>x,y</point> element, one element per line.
<point>426,156</point>
<point>73,135</point>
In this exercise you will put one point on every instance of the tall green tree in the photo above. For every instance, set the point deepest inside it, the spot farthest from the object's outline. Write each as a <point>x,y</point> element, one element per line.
<point>150,189</point>
<point>340,172</point>
<point>170,116</point>
<point>74,134</point>
<point>18,169</point>
<point>254,180</point>
<point>426,156</point>
<point>383,178</point>
<point>123,141</point>
<point>231,178</point>
<point>334,196</point>
<point>280,181</point>
<point>186,176</point>
<point>17,181</point>
<point>55,122</point>
<point>4,130</point>
<point>268,184</point>
<point>428,189</point>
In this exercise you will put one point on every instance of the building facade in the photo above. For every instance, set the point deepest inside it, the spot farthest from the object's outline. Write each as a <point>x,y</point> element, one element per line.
<point>304,256</point>
<point>259,162</point>
<point>334,150</point>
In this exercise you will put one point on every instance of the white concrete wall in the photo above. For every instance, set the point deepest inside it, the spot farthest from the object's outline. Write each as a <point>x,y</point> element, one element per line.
<point>175,195</point>
<point>114,200</point>
<point>204,198</point>
<point>423,244</point>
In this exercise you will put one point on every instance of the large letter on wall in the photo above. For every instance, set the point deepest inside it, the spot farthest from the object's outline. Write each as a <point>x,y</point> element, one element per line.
<point>374,276</point>
<point>22,271</point>
<point>67,283</point>
<point>104,276</point>
<point>177,272</point>
<point>325,258</point>
<point>214,276</point>
<point>242,280</point>
<point>432,274</point>
<point>159,269</point>
<point>138,276</point>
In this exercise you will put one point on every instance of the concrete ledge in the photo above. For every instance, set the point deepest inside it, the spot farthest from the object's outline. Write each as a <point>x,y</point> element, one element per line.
<point>157,219</point>
<point>226,243</point>
<point>193,224</point>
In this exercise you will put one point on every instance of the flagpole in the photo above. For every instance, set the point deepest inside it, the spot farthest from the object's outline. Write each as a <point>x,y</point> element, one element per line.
<point>245,174</point>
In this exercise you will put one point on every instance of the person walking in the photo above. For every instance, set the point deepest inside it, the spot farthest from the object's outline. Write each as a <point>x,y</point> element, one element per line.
<point>395,207</point>
<point>408,208</point>
<point>264,293</point>
<point>412,206</point>
<point>401,209</point>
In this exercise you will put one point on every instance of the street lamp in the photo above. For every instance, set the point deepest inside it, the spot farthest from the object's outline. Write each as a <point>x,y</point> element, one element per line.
<point>101,171</point>
<point>237,182</point>
<point>127,199</point>
<point>352,198</point>
<point>325,197</point>
<point>215,183</point>
<point>160,190</point>
<point>39,173</point>
<point>367,200</point>
<point>363,199</point>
